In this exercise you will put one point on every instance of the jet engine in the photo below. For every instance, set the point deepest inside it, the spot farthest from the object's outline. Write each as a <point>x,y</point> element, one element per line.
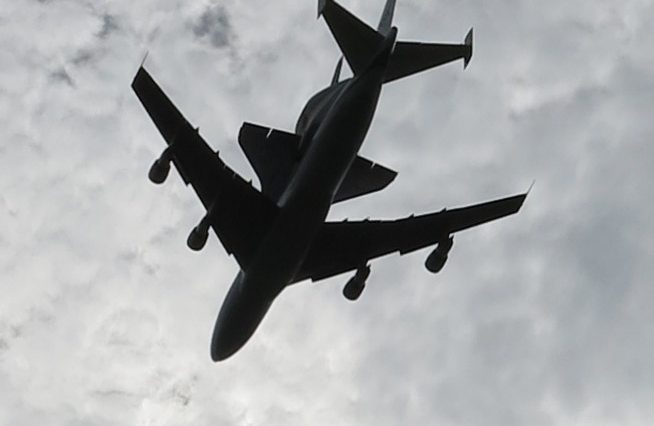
<point>437,258</point>
<point>160,168</point>
<point>356,284</point>
<point>198,236</point>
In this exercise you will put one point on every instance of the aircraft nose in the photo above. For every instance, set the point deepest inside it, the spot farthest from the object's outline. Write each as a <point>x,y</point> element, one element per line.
<point>217,354</point>
<point>220,352</point>
<point>225,341</point>
<point>237,320</point>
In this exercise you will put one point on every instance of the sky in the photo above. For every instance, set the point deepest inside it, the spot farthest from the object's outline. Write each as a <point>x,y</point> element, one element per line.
<point>543,318</point>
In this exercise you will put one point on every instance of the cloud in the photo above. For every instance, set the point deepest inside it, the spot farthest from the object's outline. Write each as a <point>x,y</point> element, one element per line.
<point>109,25</point>
<point>63,76</point>
<point>215,26</point>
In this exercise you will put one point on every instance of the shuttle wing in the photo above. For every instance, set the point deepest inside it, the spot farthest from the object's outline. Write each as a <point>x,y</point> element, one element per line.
<point>239,214</point>
<point>273,155</point>
<point>364,177</point>
<point>343,246</point>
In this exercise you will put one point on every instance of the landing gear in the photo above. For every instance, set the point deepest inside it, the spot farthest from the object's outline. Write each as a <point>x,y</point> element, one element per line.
<point>356,284</point>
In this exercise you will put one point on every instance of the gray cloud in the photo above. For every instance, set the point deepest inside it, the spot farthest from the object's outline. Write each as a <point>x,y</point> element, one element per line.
<point>109,25</point>
<point>63,76</point>
<point>214,25</point>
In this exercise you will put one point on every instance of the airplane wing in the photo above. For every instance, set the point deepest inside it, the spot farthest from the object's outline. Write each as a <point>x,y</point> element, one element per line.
<point>240,215</point>
<point>343,246</point>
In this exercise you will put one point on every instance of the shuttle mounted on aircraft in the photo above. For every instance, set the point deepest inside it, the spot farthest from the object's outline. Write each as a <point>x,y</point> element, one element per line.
<point>279,234</point>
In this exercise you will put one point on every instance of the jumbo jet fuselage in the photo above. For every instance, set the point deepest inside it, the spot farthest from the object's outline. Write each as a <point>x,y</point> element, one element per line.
<point>333,126</point>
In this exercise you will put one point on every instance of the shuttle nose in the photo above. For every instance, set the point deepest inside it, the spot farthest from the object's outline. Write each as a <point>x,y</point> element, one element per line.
<point>230,336</point>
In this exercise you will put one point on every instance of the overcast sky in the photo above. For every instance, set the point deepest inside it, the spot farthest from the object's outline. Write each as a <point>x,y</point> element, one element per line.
<point>543,318</point>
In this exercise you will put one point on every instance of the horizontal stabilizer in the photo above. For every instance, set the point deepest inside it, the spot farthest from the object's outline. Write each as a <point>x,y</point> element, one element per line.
<point>363,178</point>
<point>273,155</point>
<point>358,42</point>
<point>409,58</point>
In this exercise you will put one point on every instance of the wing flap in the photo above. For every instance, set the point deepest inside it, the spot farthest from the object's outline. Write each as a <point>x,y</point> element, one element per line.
<point>343,246</point>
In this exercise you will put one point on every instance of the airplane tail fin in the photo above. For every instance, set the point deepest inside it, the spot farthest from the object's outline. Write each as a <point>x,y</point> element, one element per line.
<point>386,20</point>
<point>360,43</point>
<point>337,72</point>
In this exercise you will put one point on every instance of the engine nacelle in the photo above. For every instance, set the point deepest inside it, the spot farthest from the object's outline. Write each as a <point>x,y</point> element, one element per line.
<point>198,236</point>
<point>437,258</point>
<point>160,168</point>
<point>356,284</point>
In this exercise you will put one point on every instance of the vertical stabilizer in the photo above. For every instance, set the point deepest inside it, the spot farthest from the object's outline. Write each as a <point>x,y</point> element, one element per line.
<point>337,72</point>
<point>386,20</point>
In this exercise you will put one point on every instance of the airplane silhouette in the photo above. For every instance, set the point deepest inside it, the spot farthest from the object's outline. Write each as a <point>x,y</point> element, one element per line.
<point>278,235</point>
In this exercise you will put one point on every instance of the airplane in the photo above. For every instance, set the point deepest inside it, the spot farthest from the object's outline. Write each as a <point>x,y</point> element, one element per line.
<point>279,234</point>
